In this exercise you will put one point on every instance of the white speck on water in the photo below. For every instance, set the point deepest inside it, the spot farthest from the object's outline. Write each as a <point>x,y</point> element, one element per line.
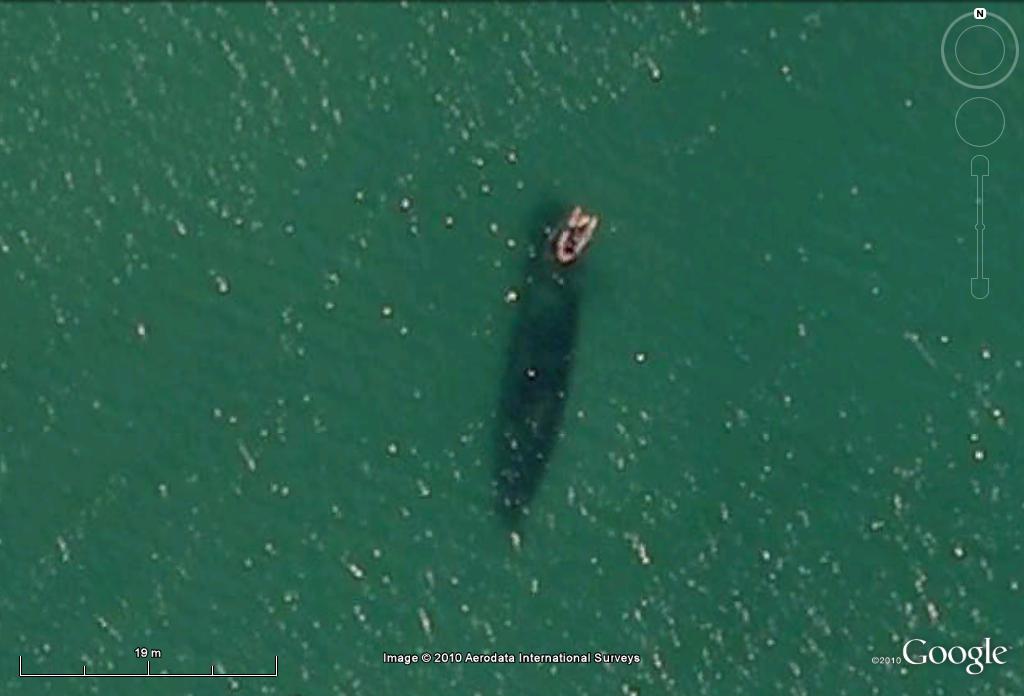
<point>855,190</point>
<point>640,548</point>
<point>979,454</point>
<point>358,612</point>
<point>640,357</point>
<point>250,461</point>
<point>986,354</point>
<point>140,330</point>
<point>425,622</point>
<point>915,339</point>
<point>386,311</point>
<point>392,449</point>
<point>654,70</point>
<point>223,287</point>
<point>511,296</point>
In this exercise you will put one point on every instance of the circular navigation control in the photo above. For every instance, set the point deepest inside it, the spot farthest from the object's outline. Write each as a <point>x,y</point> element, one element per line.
<point>979,53</point>
<point>979,121</point>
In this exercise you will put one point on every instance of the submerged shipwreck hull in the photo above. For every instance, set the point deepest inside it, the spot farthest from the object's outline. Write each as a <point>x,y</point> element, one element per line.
<point>539,363</point>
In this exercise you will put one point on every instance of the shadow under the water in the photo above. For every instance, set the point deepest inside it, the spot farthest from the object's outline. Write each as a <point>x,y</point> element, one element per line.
<point>535,385</point>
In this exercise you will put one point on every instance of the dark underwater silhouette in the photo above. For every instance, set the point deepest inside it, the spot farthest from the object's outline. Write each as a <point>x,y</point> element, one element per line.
<point>535,386</point>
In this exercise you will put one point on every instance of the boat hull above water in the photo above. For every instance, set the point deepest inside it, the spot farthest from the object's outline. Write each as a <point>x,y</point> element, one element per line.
<point>573,238</point>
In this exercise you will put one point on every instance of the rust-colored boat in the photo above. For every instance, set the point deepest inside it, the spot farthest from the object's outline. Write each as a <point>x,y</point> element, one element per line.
<point>572,239</point>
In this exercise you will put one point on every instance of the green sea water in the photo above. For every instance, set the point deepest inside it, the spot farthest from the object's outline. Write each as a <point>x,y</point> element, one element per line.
<point>261,266</point>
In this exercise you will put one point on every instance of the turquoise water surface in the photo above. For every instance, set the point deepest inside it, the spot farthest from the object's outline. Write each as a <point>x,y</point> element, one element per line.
<point>267,281</point>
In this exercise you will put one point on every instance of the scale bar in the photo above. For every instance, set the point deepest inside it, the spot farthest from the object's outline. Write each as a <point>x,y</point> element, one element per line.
<point>148,674</point>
